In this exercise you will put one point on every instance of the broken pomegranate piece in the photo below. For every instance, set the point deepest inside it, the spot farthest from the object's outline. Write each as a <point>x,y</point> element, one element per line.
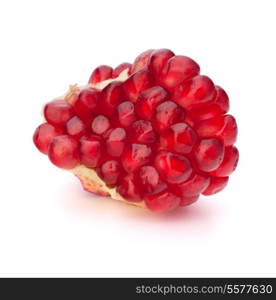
<point>154,133</point>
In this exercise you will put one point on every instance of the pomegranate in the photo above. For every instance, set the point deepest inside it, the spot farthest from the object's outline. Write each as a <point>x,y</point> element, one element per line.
<point>154,133</point>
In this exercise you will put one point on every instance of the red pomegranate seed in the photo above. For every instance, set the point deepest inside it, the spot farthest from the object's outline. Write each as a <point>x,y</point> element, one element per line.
<point>137,83</point>
<point>127,187</point>
<point>148,100</point>
<point>162,201</point>
<point>58,112</point>
<point>100,124</point>
<point>173,168</point>
<point>75,127</point>
<point>219,106</point>
<point>166,114</point>
<point>135,156</point>
<point>111,96</point>
<point>141,61</point>
<point>64,152</point>
<point>229,162</point>
<point>109,171</point>
<point>44,135</point>
<point>195,92</point>
<point>188,200</point>
<point>86,104</point>
<point>158,59</point>
<point>150,180</point>
<point>216,185</point>
<point>176,70</point>
<point>101,73</point>
<point>126,114</point>
<point>115,141</point>
<point>119,69</point>
<point>179,138</point>
<point>90,150</point>
<point>223,127</point>
<point>194,185</point>
<point>142,132</point>
<point>209,154</point>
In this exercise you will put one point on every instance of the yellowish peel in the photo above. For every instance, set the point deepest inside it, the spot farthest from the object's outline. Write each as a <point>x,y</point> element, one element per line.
<point>90,180</point>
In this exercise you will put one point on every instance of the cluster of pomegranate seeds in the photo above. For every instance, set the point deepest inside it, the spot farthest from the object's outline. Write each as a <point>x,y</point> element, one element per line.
<point>157,131</point>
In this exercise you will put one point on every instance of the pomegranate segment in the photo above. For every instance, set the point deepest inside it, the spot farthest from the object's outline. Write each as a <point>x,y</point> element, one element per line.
<point>154,133</point>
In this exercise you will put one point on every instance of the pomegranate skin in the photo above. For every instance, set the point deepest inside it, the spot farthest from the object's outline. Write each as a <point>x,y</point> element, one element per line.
<point>154,133</point>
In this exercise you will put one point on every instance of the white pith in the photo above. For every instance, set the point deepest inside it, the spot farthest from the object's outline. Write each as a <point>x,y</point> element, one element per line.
<point>89,176</point>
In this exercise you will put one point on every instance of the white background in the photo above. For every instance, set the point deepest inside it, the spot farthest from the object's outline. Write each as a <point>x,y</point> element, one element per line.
<point>49,226</point>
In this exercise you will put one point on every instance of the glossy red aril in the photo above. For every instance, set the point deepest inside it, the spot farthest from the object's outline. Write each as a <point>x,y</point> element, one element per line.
<point>141,61</point>
<point>222,127</point>
<point>120,68</point>
<point>126,114</point>
<point>229,163</point>
<point>44,135</point>
<point>179,138</point>
<point>100,124</point>
<point>188,200</point>
<point>166,114</point>
<point>75,127</point>
<point>162,201</point>
<point>58,112</point>
<point>111,96</point>
<point>86,103</point>
<point>110,171</point>
<point>216,185</point>
<point>115,141</point>
<point>209,154</point>
<point>219,106</point>
<point>194,93</point>
<point>128,188</point>
<point>142,132</point>
<point>135,156</point>
<point>195,185</point>
<point>157,61</point>
<point>148,100</point>
<point>101,73</point>
<point>64,152</point>
<point>150,180</point>
<point>177,70</point>
<point>91,150</point>
<point>172,167</point>
<point>137,83</point>
<point>156,132</point>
